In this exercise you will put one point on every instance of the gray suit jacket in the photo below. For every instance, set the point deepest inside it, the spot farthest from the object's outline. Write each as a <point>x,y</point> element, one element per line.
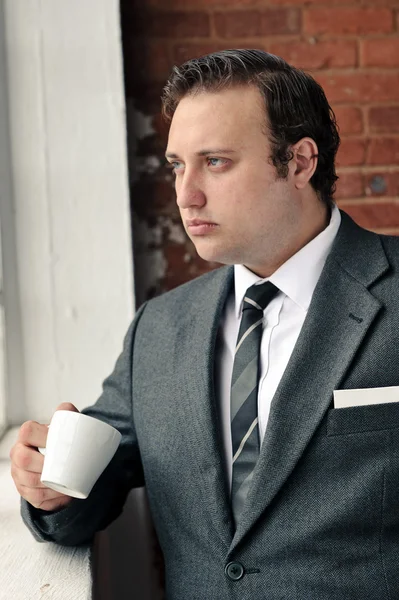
<point>322,517</point>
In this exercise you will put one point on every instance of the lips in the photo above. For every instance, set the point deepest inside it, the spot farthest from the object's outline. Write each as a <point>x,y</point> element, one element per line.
<point>195,222</point>
<point>199,226</point>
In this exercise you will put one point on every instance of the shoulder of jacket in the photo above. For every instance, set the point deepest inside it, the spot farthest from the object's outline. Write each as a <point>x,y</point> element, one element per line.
<point>190,289</point>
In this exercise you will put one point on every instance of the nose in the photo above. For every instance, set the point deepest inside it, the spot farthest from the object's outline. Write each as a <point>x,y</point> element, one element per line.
<point>188,192</point>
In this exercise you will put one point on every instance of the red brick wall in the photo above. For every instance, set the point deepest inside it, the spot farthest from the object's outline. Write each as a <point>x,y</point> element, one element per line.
<point>351,48</point>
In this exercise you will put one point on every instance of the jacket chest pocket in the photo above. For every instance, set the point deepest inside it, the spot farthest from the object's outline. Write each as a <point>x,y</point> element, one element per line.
<point>359,419</point>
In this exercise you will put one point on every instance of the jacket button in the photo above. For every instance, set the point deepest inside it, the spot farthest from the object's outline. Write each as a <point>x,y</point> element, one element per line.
<point>234,571</point>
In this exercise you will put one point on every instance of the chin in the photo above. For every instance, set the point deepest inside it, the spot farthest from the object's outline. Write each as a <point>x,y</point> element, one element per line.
<point>214,255</point>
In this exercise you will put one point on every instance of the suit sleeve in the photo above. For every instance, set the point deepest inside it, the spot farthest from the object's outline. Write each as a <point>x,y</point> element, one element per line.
<point>81,519</point>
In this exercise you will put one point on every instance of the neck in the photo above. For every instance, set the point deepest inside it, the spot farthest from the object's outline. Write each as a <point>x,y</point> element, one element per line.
<point>311,224</point>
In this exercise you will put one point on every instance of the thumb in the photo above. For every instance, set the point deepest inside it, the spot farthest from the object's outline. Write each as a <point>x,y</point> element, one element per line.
<point>67,406</point>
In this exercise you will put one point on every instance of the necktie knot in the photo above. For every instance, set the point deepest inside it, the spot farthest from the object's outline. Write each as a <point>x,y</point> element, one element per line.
<point>259,296</point>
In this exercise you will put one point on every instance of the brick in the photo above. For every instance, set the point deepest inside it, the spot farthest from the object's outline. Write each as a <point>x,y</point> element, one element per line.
<point>349,119</point>
<point>206,4</point>
<point>383,151</point>
<point>360,87</point>
<point>161,129</point>
<point>382,183</point>
<point>303,55</point>
<point>247,23</point>
<point>384,119</point>
<point>146,60</point>
<point>326,4</point>
<point>146,95</point>
<point>153,197</point>
<point>320,55</point>
<point>392,183</point>
<point>183,264</point>
<point>215,4</point>
<point>168,24</point>
<point>348,20</point>
<point>183,52</point>
<point>349,185</point>
<point>380,52</point>
<point>375,216</point>
<point>392,3</point>
<point>352,152</point>
<point>148,149</point>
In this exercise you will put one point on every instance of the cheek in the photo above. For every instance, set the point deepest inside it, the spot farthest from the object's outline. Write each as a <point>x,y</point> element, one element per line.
<point>235,193</point>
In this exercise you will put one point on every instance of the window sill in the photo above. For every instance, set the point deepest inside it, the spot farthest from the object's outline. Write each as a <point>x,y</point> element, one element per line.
<point>30,569</point>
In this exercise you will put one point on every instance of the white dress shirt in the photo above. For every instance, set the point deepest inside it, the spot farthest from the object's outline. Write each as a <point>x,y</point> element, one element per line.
<point>283,319</point>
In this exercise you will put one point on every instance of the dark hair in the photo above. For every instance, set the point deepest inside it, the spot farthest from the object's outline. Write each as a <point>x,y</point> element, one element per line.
<point>296,105</point>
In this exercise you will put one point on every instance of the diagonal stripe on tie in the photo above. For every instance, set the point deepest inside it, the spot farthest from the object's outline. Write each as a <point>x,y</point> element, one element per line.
<point>255,304</point>
<point>244,459</point>
<point>241,493</point>
<point>246,333</point>
<point>243,419</point>
<point>247,352</point>
<point>244,439</point>
<point>243,470</point>
<point>243,386</point>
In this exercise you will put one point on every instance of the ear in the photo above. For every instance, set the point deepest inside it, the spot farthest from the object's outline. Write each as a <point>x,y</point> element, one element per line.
<point>305,161</point>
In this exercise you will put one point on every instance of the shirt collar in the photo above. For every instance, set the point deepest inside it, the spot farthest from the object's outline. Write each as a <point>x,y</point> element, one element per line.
<point>298,276</point>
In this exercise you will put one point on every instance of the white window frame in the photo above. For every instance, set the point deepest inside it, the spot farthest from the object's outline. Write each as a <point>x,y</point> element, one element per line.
<point>5,199</point>
<point>3,387</point>
<point>64,202</point>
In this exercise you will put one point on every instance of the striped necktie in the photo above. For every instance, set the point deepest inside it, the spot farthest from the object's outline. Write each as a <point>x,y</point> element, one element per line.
<point>244,392</point>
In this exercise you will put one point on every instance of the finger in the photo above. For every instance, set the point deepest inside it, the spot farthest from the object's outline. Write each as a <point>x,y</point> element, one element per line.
<point>33,434</point>
<point>67,406</point>
<point>27,479</point>
<point>26,458</point>
<point>56,503</point>
<point>38,496</point>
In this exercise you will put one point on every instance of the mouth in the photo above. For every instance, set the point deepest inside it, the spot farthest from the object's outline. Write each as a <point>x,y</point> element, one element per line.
<point>200,227</point>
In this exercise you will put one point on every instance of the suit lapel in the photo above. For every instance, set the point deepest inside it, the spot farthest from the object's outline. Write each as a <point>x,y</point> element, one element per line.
<point>340,314</point>
<point>204,439</point>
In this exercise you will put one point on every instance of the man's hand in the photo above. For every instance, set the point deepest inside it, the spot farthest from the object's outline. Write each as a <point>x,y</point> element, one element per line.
<point>27,465</point>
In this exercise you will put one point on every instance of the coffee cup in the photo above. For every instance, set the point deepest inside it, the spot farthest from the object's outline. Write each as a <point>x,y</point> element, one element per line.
<point>77,451</point>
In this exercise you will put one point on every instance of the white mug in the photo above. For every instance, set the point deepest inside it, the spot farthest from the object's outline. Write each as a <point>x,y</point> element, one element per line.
<point>77,451</point>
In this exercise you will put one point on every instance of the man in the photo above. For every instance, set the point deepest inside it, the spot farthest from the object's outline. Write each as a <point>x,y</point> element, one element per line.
<point>259,488</point>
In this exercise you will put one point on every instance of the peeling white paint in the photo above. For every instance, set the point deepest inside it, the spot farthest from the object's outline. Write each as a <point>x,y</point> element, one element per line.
<point>145,235</point>
<point>139,126</point>
<point>141,123</point>
<point>153,267</point>
<point>147,164</point>
<point>155,235</point>
<point>175,232</point>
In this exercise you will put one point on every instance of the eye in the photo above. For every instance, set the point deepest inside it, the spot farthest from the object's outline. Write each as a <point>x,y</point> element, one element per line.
<point>174,166</point>
<point>216,162</point>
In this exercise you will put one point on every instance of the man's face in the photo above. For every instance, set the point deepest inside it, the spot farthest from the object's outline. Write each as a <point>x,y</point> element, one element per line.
<point>233,206</point>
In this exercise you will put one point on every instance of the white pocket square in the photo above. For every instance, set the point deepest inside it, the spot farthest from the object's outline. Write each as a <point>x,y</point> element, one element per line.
<point>363,397</point>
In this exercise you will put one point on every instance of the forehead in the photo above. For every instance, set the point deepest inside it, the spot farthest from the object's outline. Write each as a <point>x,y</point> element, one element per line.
<point>232,116</point>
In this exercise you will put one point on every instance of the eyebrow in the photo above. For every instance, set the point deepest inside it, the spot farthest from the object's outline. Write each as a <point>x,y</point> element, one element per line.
<point>205,152</point>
